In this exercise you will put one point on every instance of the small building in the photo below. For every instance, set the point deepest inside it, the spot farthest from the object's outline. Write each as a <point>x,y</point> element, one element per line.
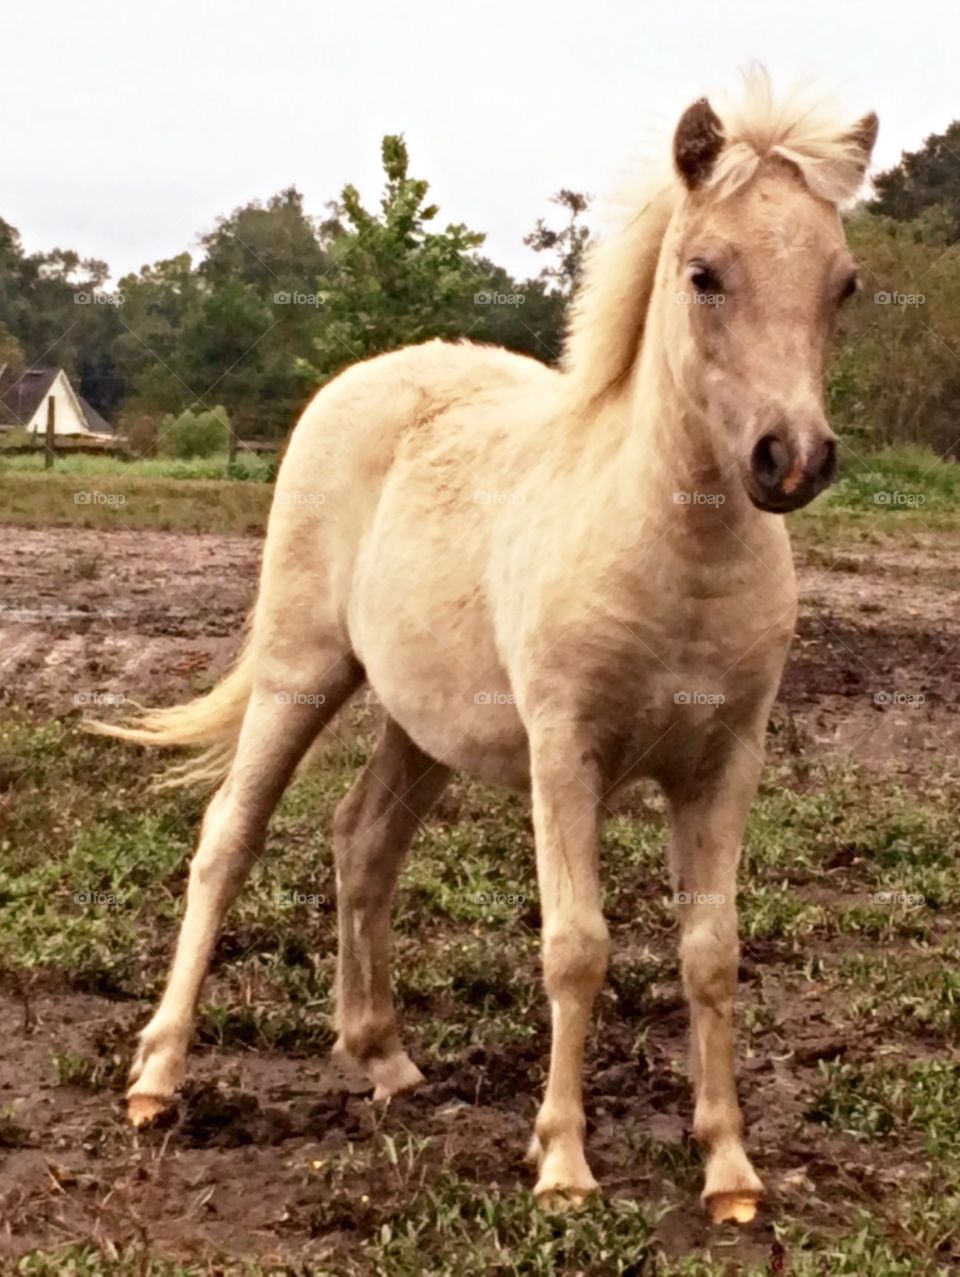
<point>23,403</point>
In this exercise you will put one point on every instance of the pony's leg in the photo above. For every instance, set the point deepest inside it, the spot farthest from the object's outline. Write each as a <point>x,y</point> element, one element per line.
<point>566,819</point>
<point>278,728</point>
<point>707,827</point>
<point>373,828</point>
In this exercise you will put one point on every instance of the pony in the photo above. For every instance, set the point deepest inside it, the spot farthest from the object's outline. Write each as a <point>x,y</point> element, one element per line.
<point>558,580</point>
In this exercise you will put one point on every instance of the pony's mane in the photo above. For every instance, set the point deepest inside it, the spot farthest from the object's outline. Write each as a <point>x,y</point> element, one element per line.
<point>610,305</point>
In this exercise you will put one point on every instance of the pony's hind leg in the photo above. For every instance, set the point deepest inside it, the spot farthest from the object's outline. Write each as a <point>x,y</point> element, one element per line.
<point>280,723</point>
<point>373,828</point>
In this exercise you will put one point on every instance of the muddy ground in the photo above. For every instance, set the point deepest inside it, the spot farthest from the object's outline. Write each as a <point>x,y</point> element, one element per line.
<point>153,616</point>
<point>156,615</point>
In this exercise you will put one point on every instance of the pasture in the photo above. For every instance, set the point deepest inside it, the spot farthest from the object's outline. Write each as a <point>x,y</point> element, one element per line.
<point>849,1003</point>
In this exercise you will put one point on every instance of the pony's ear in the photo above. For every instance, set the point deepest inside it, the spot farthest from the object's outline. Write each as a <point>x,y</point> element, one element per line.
<point>864,134</point>
<point>697,143</point>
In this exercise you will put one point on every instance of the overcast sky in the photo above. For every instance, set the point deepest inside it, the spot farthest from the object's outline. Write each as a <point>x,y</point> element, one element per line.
<point>128,128</point>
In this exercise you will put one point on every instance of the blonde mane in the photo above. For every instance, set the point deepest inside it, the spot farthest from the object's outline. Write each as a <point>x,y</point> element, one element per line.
<point>610,306</point>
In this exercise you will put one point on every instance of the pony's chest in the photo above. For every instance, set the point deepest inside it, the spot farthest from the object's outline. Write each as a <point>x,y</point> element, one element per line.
<point>660,685</point>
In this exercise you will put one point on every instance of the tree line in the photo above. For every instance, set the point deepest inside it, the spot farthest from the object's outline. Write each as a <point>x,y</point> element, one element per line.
<point>279,301</point>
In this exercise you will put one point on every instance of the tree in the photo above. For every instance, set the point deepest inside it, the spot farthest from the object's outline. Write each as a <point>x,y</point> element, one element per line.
<point>47,311</point>
<point>160,304</point>
<point>895,376</point>
<point>395,280</point>
<point>263,278</point>
<point>569,243</point>
<point>930,176</point>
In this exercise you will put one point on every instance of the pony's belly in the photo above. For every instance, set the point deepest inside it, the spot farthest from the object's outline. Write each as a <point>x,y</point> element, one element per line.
<point>486,741</point>
<point>446,688</point>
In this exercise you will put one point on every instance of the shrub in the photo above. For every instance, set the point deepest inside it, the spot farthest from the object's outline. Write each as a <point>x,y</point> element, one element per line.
<point>194,434</point>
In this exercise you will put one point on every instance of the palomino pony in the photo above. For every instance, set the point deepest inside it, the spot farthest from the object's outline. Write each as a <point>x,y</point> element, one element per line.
<point>558,581</point>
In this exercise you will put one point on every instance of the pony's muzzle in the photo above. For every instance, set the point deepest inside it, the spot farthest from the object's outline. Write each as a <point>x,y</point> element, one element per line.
<point>789,467</point>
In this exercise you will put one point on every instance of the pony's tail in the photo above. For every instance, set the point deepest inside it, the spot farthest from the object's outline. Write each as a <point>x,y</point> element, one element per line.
<point>211,723</point>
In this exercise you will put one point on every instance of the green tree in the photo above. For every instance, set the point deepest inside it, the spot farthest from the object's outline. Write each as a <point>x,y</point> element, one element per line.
<point>895,376</point>
<point>395,280</point>
<point>923,178</point>
<point>262,277</point>
<point>567,244</point>
<point>160,304</point>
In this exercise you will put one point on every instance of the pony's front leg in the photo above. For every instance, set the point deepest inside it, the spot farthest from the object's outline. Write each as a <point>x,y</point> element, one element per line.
<point>707,822</point>
<point>575,944</point>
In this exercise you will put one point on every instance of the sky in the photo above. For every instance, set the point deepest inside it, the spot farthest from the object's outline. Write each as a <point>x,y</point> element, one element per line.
<point>129,127</point>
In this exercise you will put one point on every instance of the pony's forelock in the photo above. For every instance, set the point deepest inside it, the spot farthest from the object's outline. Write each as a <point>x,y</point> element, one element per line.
<point>609,308</point>
<point>812,134</point>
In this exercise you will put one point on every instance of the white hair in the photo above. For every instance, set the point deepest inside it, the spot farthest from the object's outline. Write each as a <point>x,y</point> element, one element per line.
<point>609,309</point>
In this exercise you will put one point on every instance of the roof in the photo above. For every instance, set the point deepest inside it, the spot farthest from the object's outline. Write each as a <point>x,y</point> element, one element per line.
<point>22,393</point>
<point>96,423</point>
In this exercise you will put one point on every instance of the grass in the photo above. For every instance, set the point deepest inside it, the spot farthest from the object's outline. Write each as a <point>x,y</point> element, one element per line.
<point>103,501</point>
<point>92,878</point>
<point>252,466</point>
<point>206,494</point>
<point>848,1020</point>
<point>907,491</point>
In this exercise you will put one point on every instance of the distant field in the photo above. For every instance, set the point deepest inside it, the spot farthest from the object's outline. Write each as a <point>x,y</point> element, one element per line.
<point>902,490</point>
<point>247,465</point>
<point>131,499</point>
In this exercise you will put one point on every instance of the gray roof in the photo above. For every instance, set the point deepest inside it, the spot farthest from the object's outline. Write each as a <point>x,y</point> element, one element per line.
<point>21,394</point>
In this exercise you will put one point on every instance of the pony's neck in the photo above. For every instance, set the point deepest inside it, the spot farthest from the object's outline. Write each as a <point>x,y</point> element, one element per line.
<point>669,446</point>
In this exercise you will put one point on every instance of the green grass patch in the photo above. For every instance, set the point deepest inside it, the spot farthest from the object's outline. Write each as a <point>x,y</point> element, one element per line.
<point>119,501</point>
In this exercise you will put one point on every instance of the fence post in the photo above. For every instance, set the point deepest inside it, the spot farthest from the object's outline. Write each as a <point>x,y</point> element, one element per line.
<point>49,444</point>
<point>231,443</point>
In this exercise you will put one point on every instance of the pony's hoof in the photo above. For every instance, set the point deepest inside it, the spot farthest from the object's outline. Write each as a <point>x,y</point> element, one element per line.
<point>394,1075</point>
<point>557,1199</point>
<point>734,1208</point>
<point>565,1182</point>
<point>144,1109</point>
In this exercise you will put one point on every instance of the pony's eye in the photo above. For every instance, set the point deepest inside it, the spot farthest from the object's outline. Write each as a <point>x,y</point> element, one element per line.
<point>850,286</point>
<point>703,279</point>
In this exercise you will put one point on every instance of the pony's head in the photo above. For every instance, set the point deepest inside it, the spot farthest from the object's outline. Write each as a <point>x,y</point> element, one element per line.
<point>740,266</point>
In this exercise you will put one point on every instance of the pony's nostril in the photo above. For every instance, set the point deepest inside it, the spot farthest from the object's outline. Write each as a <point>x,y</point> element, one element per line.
<point>770,460</point>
